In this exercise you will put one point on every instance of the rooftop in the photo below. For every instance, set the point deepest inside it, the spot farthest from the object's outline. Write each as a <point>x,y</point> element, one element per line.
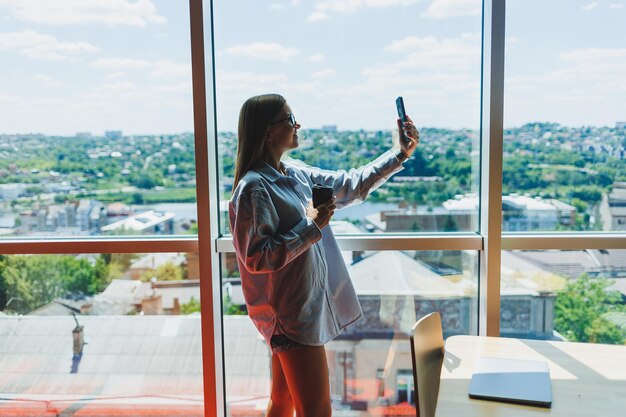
<point>141,221</point>
<point>145,364</point>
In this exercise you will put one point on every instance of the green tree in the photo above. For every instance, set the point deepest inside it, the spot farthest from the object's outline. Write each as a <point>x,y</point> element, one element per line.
<point>36,280</point>
<point>579,310</point>
<point>229,308</point>
<point>137,198</point>
<point>147,180</point>
<point>193,306</point>
<point>449,224</point>
<point>618,318</point>
<point>166,272</point>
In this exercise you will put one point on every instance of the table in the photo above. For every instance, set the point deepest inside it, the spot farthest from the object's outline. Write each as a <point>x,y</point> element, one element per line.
<point>587,379</point>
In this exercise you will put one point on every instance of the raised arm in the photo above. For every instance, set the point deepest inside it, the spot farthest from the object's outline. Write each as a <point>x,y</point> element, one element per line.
<point>352,187</point>
<point>254,223</point>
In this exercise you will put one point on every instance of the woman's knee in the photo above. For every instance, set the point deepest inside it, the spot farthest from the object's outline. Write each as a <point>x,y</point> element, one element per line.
<point>281,397</point>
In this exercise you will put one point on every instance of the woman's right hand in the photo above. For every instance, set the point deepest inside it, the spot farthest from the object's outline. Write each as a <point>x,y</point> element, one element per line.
<point>321,214</point>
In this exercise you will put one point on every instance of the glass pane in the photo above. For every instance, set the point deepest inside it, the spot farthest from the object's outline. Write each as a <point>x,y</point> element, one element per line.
<point>565,129</point>
<point>571,295</point>
<point>96,127</point>
<point>340,70</point>
<point>369,363</point>
<point>134,345</point>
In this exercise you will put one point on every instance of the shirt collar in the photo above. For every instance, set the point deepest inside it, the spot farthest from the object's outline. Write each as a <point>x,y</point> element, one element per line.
<point>268,172</point>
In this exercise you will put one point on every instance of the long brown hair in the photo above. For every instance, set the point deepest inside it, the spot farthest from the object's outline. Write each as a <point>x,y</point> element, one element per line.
<point>255,118</point>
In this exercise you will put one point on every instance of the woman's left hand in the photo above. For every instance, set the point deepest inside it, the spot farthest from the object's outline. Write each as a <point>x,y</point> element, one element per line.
<point>411,135</point>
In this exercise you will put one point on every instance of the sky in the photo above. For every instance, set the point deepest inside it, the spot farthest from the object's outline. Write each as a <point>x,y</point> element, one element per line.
<point>71,66</point>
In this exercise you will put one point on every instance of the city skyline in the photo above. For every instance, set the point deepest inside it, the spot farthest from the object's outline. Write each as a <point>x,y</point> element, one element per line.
<point>108,65</point>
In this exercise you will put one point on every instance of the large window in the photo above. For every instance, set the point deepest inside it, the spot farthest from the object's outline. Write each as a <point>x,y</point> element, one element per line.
<point>563,168</point>
<point>340,67</point>
<point>115,332</point>
<point>565,132</point>
<point>96,135</point>
<point>96,144</point>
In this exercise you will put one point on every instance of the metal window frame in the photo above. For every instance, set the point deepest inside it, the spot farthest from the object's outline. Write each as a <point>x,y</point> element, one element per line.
<point>489,240</point>
<point>491,138</point>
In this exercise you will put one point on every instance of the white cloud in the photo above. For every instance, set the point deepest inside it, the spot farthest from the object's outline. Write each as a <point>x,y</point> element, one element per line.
<point>591,73</point>
<point>183,88</point>
<point>317,17</point>
<point>380,71</point>
<point>590,6</point>
<point>411,43</point>
<point>323,8</point>
<point>448,54</point>
<point>158,69</point>
<point>339,6</point>
<point>239,85</point>
<point>588,86</point>
<point>262,50</point>
<point>243,81</point>
<point>277,6</point>
<point>316,58</point>
<point>119,63</point>
<point>441,9</point>
<point>616,6</point>
<point>234,87</point>
<point>168,69</point>
<point>6,98</point>
<point>119,87</point>
<point>390,3</point>
<point>596,55</point>
<point>115,75</point>
<point>46,79</point>
<point>343,6</point>
<point>325,73</point>
<point>41,46</point>
<point>439,77</point>
<point>63,12</point>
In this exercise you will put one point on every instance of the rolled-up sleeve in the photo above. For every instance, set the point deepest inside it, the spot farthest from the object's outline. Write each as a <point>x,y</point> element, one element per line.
<point>258,243</point>
<point>352,187</point>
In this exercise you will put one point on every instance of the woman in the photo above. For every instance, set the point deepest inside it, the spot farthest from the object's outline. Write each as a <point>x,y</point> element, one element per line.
<point>295,283</point>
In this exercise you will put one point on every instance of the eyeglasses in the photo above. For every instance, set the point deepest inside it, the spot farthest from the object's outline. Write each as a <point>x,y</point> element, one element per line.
<point>291,118</point>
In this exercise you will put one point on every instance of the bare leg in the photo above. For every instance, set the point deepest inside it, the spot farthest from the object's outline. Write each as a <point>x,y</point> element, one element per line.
<point>306,372</point>
<point>280,404</point>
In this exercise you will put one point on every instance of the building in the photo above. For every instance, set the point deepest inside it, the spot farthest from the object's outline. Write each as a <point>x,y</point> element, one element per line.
<point>519,213</point>
<point>12,191</point>
<point>613,208</point>
<point>113,134</point>
<point>153,261</point>
<point>421,219</point>
<point>151,221</point>
<point>90,215</point>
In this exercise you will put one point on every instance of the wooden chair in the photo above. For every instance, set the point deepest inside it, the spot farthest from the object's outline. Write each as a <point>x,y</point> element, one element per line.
<point>427,356</point>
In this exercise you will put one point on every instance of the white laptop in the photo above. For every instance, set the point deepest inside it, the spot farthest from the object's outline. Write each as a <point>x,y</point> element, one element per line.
<point>512,380</point>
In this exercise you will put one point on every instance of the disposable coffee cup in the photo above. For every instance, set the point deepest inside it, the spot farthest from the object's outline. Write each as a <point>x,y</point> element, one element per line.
<point>321,194</point>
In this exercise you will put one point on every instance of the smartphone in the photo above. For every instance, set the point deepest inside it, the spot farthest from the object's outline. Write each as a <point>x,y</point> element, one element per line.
<point>401,111</point>
<point>401,115</point>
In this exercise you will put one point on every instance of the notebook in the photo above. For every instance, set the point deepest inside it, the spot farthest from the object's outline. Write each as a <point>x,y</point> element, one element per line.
<point>512,380</point>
